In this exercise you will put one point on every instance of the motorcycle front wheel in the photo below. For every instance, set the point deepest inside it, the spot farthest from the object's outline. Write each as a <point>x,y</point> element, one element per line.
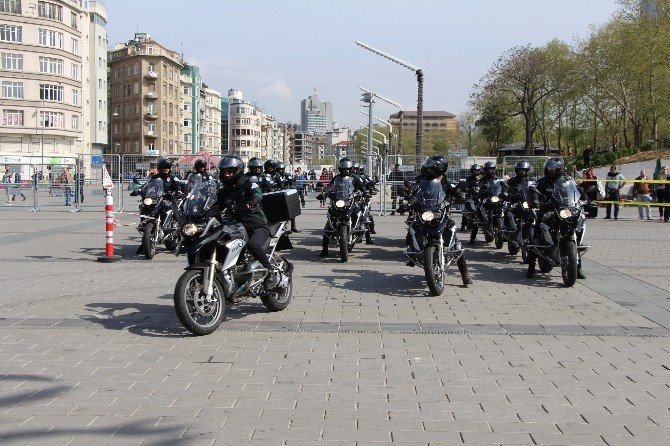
<point>149,240</point>
<point>569,263</point>
<point>434,273</point>
<point>344,243</point>
<point>196,315</point>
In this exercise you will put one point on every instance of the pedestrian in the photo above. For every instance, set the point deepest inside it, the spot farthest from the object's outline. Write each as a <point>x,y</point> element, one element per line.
<point>320,185</point>
<point>81,176</point>
<point>330,174</point>
<point>7,180</point>
<point>661,196</point>
<point>642,191</point>
<point>17,180</point>
<point>300,183</point>
<point>587,156</point>
<point>67,180</point>
<point>396,178</point>
<point>613,187</point>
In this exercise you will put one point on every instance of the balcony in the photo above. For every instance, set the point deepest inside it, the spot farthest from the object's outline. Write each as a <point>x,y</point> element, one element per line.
<point>151,75</point>
<point>151,95</point>
<point>151,115</point>
<point>150,134</point>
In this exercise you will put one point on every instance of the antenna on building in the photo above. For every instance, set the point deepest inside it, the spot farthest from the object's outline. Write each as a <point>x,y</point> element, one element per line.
<point>181,45</point>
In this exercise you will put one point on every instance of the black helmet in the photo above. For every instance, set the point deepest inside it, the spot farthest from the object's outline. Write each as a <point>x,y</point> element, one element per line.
<point>164,163</point>
<point>255,162</point>
<point>231,162</point>
<point>443,161</point>
<point>345,163</point>
<point>356,167</point>
<point>522,168</point>
<point>270,164</point>
<point>432,168</point>
<point>200,164</point>
<point>489,167</point>
<point>475,168</point>
<point>553,167</point>
<point>280,167</point>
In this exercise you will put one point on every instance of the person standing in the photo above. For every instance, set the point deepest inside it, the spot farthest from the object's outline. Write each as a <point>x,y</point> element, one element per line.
<point>300,184</point>
<point>17,181</point>
<point>324,179</point>
<point>661,196</point>
<point>397,178</point>
<point>642,192</point>
<point>66,180</point>
<point>587,156</point>
<point>613,187</point>
<point>7,179</point>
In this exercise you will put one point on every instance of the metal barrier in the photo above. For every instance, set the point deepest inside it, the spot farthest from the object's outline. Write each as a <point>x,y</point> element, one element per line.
<point>22,187</point>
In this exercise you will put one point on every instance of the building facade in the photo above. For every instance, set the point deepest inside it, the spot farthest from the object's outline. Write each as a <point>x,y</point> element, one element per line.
<point>316,117</point>
<point>97,77</point>
<point>303,144</point>
<point>224,125</point>
<point>190,109</point>
<point>210,127</point>
<point>44,61</point>
<point>145,98</point>
<point>432,121</point>
<point>275,142</point>
<point>244,127</point>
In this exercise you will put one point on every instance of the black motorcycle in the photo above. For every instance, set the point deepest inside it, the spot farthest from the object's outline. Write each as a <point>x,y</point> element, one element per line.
<point>562,232</point>
<point>490,212</point>
<point>519,219</point>
<point>159,218</point>
<point>431,236</point>
<point>346,222</point>
<point>220,269</point>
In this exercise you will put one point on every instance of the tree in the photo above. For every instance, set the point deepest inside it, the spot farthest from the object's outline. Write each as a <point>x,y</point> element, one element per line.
<point>495,127</point>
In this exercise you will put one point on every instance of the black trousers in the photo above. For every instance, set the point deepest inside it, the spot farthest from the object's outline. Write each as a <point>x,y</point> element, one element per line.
<point>301,196</point>
<point>612,195</point>
<point>258,239</point>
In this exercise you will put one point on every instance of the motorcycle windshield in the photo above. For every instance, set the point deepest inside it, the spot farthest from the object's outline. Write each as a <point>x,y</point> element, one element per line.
<point>343,188</point>
<point>525,192</point>
<point>566,194</point>
<point>430,195</point>
<point>493,188</point>
<point>201,198</point>
<point>153,189</point>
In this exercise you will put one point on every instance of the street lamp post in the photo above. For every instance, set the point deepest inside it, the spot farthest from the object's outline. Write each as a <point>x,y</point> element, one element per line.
<point>419,101</point>
<point>369,99</point>
<point>395,104</point>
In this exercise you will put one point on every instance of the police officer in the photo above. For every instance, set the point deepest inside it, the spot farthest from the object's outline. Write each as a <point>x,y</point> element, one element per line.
<point>265,181</point>
<point>199,172</point>
<point>342,181</point>
<point>369,186</point>
<point>240,193</point>
<point>553,173</point>
<point>472,184</point>
<point>397,177</point>
<point>489,170</point>
<point>270,170</point>
<point>170,184</point>
<point>285,181</point>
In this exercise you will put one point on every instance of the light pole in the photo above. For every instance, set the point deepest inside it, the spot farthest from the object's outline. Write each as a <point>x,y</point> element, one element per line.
<point>369,99</point>
<point>395,104</point>
<point>111,133</point>
<point>419,101</point>
<point>42,135</point>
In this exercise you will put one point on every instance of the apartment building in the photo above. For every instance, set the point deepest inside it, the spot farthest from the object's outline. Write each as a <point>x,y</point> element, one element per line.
<point>145,98</point>
<point>432,121</point>
<point>96,78</point>
<point>210,118</point>
<point>303,144</point>
<point>44,64</point>
<point>244,127</point>
<point>224,125</point>
<point>275,141</point>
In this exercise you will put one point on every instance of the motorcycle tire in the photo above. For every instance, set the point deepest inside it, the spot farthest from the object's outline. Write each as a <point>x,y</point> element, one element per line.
<point>187,299</point>
<point>524,255</point>
<point>499,240</point>
<point>488,238</point>
<point>513,248</point>
<point>344,244</point>
<point>149,240</point>
<point>170,243</point>
<point>279,300</point>
<point>544,266</point>
<point>569,265</point>
<point>434,275</point>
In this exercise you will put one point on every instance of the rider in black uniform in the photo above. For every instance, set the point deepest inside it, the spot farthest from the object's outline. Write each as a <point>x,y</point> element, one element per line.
<point>489,175</point>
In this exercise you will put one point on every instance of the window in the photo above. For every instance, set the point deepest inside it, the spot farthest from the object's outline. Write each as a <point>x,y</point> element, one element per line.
<point>51,92</point>
<point>151,127</point>
<point>136,127</point>
<point>137,107</point>
<point>136,88</point>
<point>12,90</point>
<point>100,84</point>
<point>99,104</point>
<point>75,46</point>
<point>101,62</point>
<point>151,146</point>
<point>75,97</point>
<point>10,33</point>
<point>151,67</point>
<point>12,118</point>
<point>75,71</point>
<point>50,11</point>
<point>11,61</point>
<point>150,50</point>
<point>187,91</point>
<point>187,137</point>
<point>171,129</point>
<point>49,37</point>
<point>52,119</point>
<point>151,108</point>
<point>51,65</point>
<point>100,126</point>
<point>74,21</point>
<point>187,122</point>
<point>136,68</point>
<point>127,128</point>
<point>136,146</point>
<point>165,127</point>
<point>187,106</point>
<point>75,122</point>
<point>10,6</point>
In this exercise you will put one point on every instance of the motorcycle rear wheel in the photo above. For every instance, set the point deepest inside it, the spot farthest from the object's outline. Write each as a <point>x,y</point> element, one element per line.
<point>149,240</point>
<point>344,244</point>
<point>434,274</point>
<point>279,298</point>
<point>198,317</point>
<point>513,248</point>
<point>544,266</point>
<point>570,264</point>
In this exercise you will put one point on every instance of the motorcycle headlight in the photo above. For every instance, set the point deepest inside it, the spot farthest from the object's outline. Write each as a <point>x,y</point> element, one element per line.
<point>189,229</point>
<point>340,203</point>
<point>495,199</point>
<point>148,201</point>
<point>525,205</point>
<point>565,213</point>
<point>427,216</point>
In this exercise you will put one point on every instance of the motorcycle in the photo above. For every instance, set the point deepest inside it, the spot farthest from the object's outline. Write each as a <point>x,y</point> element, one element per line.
<point>159,218</point>
<point>220,270</point>
<point>519,219</point>
<point>431,235</point>
<point>562,232</point>
<point>490,212</point>
<point>346,222</point>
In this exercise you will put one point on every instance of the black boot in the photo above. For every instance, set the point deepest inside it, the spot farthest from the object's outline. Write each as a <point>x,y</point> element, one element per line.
<point>368,239</point>
<point>531,267</point>
<point>324,247</point>
<point>463,269</point>
<point>323,253</point>
<point>372,225</point>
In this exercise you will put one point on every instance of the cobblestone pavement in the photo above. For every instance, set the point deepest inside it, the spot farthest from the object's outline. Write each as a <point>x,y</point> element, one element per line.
<point>93,353</point>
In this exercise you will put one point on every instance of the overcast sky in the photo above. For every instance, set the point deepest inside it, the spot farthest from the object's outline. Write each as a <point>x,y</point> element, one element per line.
<point>278,51</point>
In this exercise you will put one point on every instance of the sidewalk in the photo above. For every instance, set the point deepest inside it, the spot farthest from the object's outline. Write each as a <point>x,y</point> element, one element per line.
<point>94,353</point>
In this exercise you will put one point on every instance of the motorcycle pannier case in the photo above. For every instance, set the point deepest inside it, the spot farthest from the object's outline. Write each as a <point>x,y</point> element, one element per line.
<point>281,205</point>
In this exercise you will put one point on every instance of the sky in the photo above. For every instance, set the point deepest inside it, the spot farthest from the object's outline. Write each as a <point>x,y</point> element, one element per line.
<point>279,52</point>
